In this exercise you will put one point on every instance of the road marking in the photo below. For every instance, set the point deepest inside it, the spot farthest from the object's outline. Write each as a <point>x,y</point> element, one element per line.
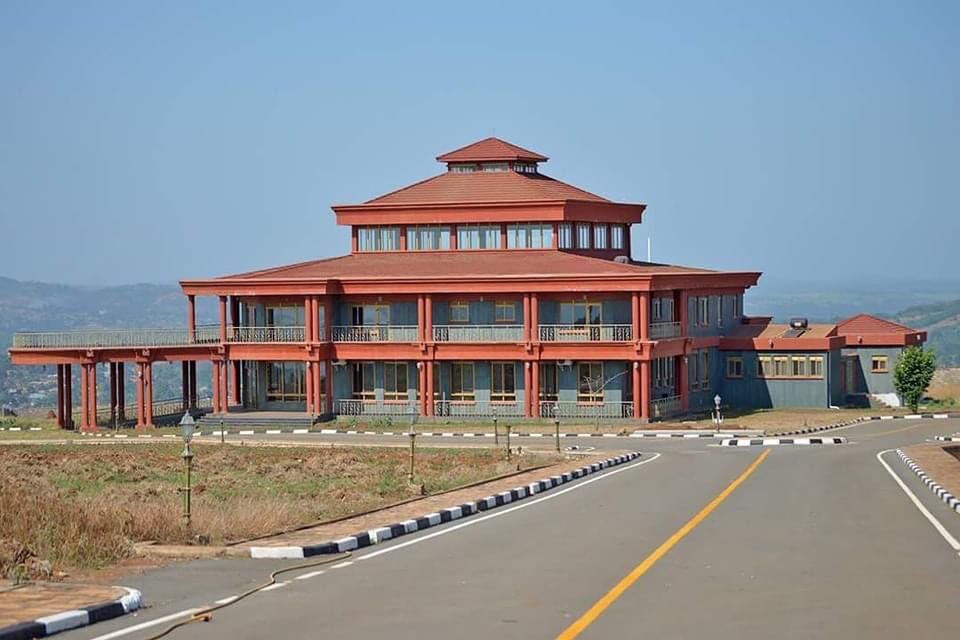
<point>919,505</point>
<point>340,565</point>
<point>226,600</point>
<point>147,625</point>
<point>275,585</point>
<point>618,590</point>
<point>473,521</point>
<point>884,433</point>
<point>312,574</point>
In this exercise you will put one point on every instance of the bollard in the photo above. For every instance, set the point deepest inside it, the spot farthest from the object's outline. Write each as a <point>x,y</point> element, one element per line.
<point>556,426</point>
<point>222,438</point>
<point>413,437</point>
<point>508,443</point>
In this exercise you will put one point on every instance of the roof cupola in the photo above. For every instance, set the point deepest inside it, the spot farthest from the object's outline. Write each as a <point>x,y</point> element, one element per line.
<point>491,155</point>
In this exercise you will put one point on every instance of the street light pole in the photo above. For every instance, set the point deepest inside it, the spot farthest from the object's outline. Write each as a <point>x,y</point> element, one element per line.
<point>186,426</point>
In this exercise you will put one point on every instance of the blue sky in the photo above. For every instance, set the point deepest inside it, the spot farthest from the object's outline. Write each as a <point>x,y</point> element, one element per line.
<point>155,141</point>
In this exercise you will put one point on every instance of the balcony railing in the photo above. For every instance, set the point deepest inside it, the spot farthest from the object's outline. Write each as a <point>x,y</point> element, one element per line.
<point>478,333</point>
<point>351,407</point>
<point>585,333</point>
<point>265,334</point>
<point>663,330</point>
<point>161,409</point>
<point>382,333</point>
<point>107,338</point>
<point>578,410</point>
<point>477,409</point>
<point>665,407</point>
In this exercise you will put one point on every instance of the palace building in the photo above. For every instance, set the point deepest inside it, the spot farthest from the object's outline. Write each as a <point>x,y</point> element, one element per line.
<point>490,289</point>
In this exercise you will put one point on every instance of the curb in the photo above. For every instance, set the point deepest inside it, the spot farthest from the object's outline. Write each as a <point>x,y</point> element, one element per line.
<point>21,429</point>
<point>397,529</point>
<point>947,438</point>
<point>49,625</point>
<point>766,442</point>
<point>430,434</point>
<point>917,416</point>
<point>798,432</point>
<point>942,493</point>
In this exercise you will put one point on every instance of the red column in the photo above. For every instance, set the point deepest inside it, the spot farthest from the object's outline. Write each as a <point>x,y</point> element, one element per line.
<point>453,237</point>
<point>526,383</point>
<point>307,321</point>
<point>327,318</point>
<point>635,382</point>
<point>328,385</point>
<point>121,394</point>
<point>84,398</point>
<point>644,303</point>
<point>215,385</point>
<point>60,420</point>
<point>644,390</point>
<point>224,388</point>
<point>421,318</point>
<point>422,382</point>
<point>526,317</point>
<point>635,316</point>
<point>223,318</point>
<point>556,239</point>
<point>141,396</point>
<point>428,366</point>
<point>684,384</point>
<point>308,383</point>
<point>353,239</point>
<point>192,318</point>
<point>148,394</point>
<point>68,394</point>
<point>428,320</point>
<point>534,389</point>
<point>503,236</point>
<point>185,384</point>
<point>92,379</point>
<point>680,299</point>
<point>403,237</point>
<point>235,382</point>
<point>113,392</point>
<point>535,318</point>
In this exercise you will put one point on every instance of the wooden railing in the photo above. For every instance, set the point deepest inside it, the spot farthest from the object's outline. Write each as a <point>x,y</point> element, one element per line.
<point>586,333</point>
<point>478,333</point>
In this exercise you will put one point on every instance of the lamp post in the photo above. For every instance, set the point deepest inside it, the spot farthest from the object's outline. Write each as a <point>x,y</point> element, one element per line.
<point>413,445</point>
<point>186,427</point>
<point>556,427</point>
<point>717,418</point>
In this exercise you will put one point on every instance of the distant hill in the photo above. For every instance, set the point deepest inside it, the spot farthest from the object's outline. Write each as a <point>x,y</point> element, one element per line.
<point>941,321</point>
<point>38,306</point>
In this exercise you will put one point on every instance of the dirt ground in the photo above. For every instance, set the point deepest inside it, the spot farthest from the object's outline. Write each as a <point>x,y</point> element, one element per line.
<point>67,507</point>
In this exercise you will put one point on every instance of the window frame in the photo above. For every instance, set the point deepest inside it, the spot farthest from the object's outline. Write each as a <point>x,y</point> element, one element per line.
<point>601,239</point>
<point>617,233</point>
<point>565,235</point>
<point>794,361</point>
<point>360,370</point>
<point>879,358</point>
<point>734,372</point>
<point>504,304</point>
<point>588,396</point>
<point>500,370</point>
<point>583,235</point>
<point>398,393</point>
<point>459,305</point>
<point>458,374</point>
<point>815,366</point>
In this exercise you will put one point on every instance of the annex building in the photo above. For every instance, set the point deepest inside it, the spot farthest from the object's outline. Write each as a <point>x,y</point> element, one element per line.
<point>490,289</point>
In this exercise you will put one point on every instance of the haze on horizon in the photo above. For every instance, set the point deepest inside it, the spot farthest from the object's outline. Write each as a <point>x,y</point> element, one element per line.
<point>152,142</point>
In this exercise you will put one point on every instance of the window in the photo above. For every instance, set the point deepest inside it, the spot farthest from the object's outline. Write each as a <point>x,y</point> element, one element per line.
<point>284,315</point>
<point>462,168</point>
<point>428,237</point>
<point>529,236</point>
<point>461,382</point>
<point>816,366</point>
<point>599,236</point>
<point>734,367</point>
<point>378,238</point>
<point>502,385</point>
<point>581,313</point>
<point>720,310</point>
<point>364,381</point>
<point>478,236</point>
<point>878,364</point>
<point>583,235</point>
<point>370,315</point>
<point>395,381</point>
<point>285,382</point>
<point>693,373</point>
<point>565,235</point>
<point>505,311</point>
<point>662,309</point>
<point>548,381</point>
<point>765,367</point>
<point>494,166</point>
<point>616,236</point>
<point>525,167</point>
<point>738,306</point>
<point>798,366</point>
<point>780,365</point>
<point>703,311</point>
<point>704,369</point>
<point>590,382</point>
<point>459,312</point>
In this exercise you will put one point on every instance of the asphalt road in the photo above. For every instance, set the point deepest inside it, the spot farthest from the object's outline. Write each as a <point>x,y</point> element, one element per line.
<point>814,542</point>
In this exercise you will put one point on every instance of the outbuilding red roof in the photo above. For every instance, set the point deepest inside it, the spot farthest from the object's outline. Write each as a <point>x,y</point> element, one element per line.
<point>864,323</point>
<point>447,264</point>
<point>491,150</point>
<point>484,186</point>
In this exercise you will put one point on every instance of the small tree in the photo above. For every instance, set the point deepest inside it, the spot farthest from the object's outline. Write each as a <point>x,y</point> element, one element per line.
<point>913,374</point>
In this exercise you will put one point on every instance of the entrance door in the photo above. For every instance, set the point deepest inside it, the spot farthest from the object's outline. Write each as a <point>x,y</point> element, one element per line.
<point>850,374</point>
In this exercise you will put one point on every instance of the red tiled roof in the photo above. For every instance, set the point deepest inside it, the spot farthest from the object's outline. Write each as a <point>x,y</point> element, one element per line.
<point>484,186</point>
<point>864,323</point>
<point>491,150</point>
<point>466,264</point>
<point>770,330</point>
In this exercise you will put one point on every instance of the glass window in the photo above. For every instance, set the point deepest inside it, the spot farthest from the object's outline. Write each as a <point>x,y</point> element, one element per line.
<point>459,312</point>
<point>505,311</point>
<point>461,382</point>
<point>734,367</point>
<point>590,382</point>
<point>599,236</point>
<point>529,236</point>
<point>364,381</point>
<point>583,235</point>
<point>548,381</point>
<point>765,366</point>
<point>503,386</point>
<point>878,364</point>
<point>798,366</point>
<point>395,381</point>
<point>428,237</point>
<point>780,366</point>
<point>616,236</point>
<point>703,311</point>
<point>370,315</point>
<point>378,238</point>
<point>704,369</point>
<point>285,382</point>
<point>581,313</point>
<point>565,235</point>
<point>284,315</point>
<point>816,366</point>
<point>478,236</point>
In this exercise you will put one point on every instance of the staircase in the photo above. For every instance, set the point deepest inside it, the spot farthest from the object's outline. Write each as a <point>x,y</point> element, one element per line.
<point>256,420</point>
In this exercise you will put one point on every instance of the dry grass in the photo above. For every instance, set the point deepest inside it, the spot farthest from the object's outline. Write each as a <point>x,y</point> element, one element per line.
<point>84,507</point>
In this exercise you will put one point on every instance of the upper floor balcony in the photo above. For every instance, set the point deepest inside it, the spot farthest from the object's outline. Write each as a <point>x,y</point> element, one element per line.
<point>114,338</point>
<point>478,333</point>
<point>374,333</point>
<point>585,333</point>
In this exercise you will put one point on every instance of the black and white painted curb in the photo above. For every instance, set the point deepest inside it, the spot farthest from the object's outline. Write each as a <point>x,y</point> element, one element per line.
<point>768,442</point>
<point>942,493</point>
<point>953,438</point>
<point>805,430</point>
<point>917,416</point>
<point>437,434</point>
<point>21,429</point>
<point>381,534</point>
<point>49,625</point>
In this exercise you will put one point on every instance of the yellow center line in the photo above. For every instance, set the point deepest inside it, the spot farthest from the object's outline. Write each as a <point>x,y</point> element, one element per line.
<point>618,590</point>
